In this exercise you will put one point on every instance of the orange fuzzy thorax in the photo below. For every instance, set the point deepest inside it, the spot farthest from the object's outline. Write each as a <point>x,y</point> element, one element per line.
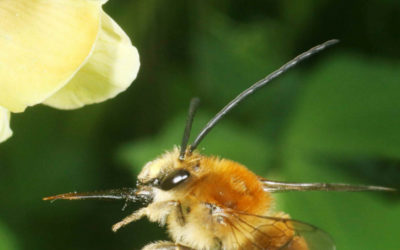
<point>230,185</point>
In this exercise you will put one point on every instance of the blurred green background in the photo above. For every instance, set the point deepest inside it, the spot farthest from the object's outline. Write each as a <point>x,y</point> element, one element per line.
<point>335,118</point>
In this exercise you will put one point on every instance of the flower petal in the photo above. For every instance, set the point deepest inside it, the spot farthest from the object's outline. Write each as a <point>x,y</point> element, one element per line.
<point>42,44</point>
<point>5,131</point>
<point>111,68</point>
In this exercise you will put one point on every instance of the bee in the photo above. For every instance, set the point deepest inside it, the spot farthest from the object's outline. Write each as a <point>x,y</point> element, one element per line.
<point>208,202</point>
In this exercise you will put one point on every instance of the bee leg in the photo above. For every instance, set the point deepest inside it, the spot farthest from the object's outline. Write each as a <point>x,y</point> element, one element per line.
<point>179,214</point>
<point>135,216</point>
<point>153,213</point>
<point>166,245</point>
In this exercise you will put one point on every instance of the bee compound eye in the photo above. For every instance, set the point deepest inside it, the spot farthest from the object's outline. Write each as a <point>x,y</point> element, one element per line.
<point>174,179</point>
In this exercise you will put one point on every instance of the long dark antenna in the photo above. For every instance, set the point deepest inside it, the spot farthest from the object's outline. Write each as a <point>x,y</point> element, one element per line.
<point>194,104</point>
<point>256,86</point>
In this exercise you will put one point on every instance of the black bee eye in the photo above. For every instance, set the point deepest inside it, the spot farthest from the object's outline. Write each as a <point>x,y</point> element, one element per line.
<point>174,179</point>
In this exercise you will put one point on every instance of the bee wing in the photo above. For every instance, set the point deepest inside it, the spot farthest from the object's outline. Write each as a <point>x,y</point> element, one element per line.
<point>278,233</point>
<point>279,186</point>
<point>315,238</point>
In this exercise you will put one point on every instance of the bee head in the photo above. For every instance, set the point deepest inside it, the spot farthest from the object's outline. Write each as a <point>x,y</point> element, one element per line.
<point>169,171</point>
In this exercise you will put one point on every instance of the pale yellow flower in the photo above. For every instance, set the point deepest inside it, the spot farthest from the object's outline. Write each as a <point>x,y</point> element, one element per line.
<point>5,131</point>
<point>63,53</point>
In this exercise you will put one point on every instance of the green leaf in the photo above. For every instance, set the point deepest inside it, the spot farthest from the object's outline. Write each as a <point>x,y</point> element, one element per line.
<point>351,107</point>
<point>7,239</point>
<point>229,56</point>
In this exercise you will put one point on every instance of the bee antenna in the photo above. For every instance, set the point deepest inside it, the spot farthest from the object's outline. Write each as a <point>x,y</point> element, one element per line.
<point>256,86</point>
<point>194,104</point>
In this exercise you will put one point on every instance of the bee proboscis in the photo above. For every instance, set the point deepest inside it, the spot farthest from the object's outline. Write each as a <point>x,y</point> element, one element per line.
<point>213,203</point>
